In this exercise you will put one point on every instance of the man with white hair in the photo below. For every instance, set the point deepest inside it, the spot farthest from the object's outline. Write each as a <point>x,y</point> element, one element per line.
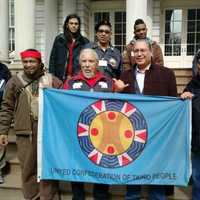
<point>91,79</point>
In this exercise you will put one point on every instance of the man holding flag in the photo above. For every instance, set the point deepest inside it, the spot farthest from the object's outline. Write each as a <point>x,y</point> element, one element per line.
<point>146,78</point>
<point>20,104</point>
<point>90,79</point>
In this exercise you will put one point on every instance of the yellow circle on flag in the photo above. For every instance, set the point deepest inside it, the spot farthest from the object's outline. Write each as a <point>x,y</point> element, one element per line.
<point>111,132</point>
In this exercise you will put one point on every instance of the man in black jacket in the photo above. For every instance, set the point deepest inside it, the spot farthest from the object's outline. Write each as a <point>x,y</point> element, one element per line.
<point>4,76</point>
<point>91,79</point>
<point>63,61</point>
<point>192,91</point>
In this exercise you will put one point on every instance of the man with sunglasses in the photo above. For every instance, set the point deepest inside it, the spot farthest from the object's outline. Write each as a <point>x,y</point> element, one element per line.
<point>110,60</point>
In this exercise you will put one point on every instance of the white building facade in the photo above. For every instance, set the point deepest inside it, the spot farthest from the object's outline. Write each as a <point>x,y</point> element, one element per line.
<point>174,24</point>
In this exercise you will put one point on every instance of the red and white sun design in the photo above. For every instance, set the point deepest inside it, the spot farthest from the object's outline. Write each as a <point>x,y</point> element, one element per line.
<point>112,133</point>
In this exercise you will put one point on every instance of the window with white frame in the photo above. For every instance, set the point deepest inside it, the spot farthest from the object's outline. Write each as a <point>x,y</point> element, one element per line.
<point>193,31</point>
<point>173,30</point>
<point>11,26</point>
<point>99,16</point>
<point>120,30</point>
<point>118,21</point>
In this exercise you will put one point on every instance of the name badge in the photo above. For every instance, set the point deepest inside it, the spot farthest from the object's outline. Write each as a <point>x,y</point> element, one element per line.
<point>2,83</point>
<point>103,63</point>
<point>132,53</point>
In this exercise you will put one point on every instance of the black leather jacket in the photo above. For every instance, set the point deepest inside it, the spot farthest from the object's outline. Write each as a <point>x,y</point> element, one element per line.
<point>4,76</point>
<point>194,87</point>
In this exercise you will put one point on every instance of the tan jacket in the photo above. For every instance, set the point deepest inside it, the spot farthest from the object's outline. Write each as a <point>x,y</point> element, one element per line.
<point>16,107</point>
<point>128,55</point>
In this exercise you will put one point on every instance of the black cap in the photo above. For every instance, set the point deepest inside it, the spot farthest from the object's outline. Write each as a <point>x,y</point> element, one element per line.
<point>104,22</point>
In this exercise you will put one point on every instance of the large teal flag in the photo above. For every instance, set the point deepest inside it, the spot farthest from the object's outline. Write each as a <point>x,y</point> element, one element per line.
<point>113,138</point>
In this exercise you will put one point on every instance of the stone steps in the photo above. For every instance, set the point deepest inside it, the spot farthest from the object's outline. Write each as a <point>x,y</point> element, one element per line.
<point>183,76</point>
<point>12,181</point>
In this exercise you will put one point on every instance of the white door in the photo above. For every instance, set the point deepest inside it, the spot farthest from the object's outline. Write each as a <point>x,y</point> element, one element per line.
<point>181,36</point>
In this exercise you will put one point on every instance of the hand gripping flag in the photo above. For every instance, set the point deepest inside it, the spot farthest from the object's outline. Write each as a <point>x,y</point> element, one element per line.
<point>113,138</point>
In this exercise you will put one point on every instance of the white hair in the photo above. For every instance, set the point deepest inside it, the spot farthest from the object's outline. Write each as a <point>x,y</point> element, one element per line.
<point>89,50</point>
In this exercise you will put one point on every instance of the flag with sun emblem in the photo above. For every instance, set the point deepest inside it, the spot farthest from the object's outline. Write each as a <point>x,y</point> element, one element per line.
<point>113,138</point>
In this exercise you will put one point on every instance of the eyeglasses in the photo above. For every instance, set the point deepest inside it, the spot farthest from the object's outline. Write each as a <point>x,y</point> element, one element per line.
<point>103,31</point>
<point>142,51</point>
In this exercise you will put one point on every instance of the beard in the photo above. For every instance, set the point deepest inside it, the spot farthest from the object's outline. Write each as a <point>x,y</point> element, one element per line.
<point>33,74</point>
<point>88,74</point>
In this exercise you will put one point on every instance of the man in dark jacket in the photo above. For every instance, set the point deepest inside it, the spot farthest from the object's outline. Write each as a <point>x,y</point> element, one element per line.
<point>192,91</point>
<point>63,61</point>
<point>90,79</point>
<point>146,78</point>
<point>4,76</point>
<point>195,63</point>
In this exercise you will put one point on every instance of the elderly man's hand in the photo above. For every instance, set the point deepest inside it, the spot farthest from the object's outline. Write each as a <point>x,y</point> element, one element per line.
<point>3,140</point>
<point>187,95</point>
<point>119,85</point>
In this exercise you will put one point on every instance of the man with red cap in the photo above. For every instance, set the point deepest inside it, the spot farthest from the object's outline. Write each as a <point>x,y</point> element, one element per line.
<point>20,105</point>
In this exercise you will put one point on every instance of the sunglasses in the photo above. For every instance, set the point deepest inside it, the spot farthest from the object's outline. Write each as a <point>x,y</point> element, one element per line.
<point>103,31</point>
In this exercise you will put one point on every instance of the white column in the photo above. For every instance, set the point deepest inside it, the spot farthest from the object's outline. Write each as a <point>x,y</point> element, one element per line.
<point>24,26</point>
<point>69,7</point>
<point>4,30</point>
<point>149,19</point>
<point>134,9</point>
<point>51,26</point>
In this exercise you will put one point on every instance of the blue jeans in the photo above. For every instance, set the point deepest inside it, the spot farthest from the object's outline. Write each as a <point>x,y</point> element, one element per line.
<point>195,177</point>
<point>156,192</point>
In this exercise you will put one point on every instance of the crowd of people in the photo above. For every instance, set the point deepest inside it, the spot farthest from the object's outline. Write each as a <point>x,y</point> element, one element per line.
<point>74,59</point>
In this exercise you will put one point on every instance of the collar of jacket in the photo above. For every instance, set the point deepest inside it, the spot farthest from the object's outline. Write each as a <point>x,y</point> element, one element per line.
<point>151,67</point>
<point>62,37</point>
<point>92,81</point>
<point>95,45</point>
